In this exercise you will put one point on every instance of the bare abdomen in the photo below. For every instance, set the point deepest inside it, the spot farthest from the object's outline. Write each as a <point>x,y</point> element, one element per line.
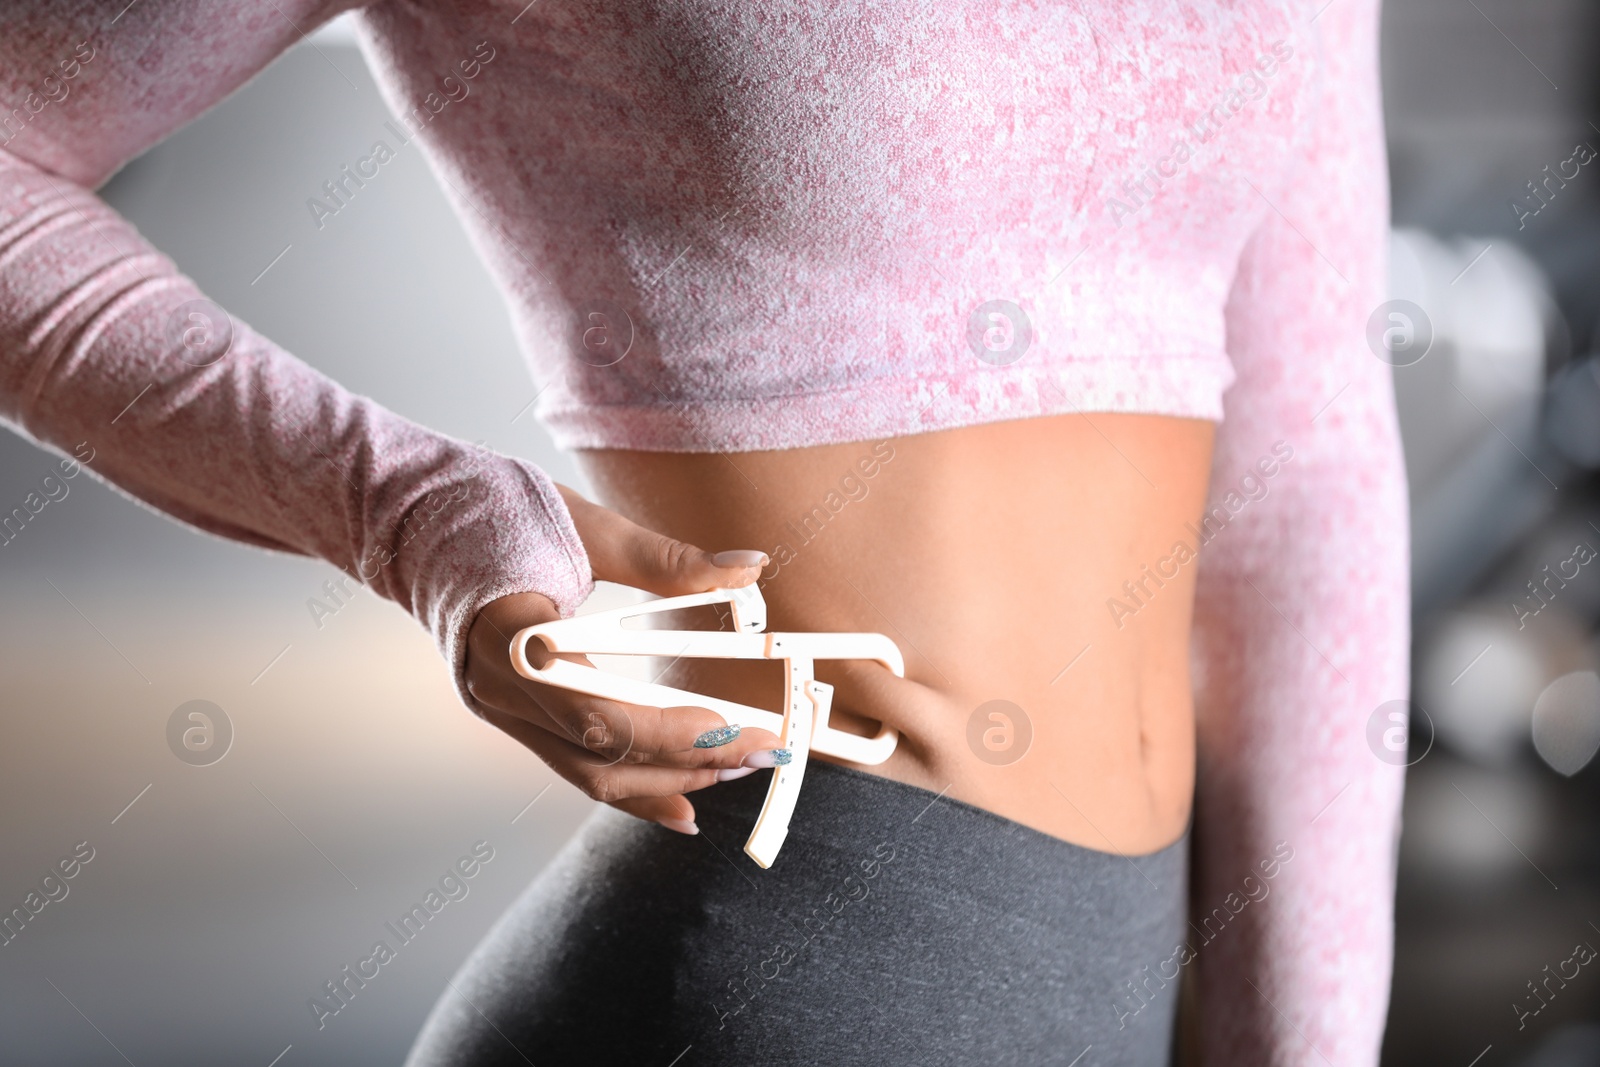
<point>1038,574</point>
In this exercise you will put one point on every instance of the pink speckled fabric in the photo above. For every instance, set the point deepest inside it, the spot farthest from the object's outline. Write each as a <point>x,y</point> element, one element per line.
<point>786,213</point>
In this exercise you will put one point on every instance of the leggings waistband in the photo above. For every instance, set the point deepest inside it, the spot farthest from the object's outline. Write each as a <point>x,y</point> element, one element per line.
<point>843,809</point>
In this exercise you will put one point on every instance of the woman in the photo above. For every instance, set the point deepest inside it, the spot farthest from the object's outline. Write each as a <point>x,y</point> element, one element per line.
<point>1032,335</point>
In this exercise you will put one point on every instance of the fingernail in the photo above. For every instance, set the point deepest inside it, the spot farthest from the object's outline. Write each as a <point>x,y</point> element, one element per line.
<point>769,757</point>
<point>728,774</point>
<point>740,557</point>
<point>683,826</point>
<point>718,737</point>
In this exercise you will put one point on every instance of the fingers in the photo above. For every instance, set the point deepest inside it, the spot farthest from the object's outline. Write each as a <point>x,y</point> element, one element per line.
<point>680,737</point>
<point>609,730</point>
<point>622,551</point>
<point>640,760</point>
<point>601,779</point>
<point>675,813</point>
<point>646,792</point>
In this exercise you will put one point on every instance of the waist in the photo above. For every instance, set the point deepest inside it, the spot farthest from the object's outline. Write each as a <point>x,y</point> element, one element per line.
<point>1029,572</point>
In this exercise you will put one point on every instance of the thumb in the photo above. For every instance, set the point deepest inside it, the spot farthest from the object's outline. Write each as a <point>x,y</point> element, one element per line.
<point>624,552</point>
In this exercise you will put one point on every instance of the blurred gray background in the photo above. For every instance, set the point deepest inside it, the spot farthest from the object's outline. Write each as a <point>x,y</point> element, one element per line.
<point>221,898</point>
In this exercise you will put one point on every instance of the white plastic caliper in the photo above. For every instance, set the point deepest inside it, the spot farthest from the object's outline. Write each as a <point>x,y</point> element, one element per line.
<point>801,729</point>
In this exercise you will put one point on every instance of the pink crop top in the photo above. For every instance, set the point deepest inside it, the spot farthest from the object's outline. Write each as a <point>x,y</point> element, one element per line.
<point>756,224</point>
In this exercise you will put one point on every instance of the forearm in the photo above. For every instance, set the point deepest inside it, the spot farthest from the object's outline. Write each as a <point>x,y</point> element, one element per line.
<point>210,422</point>
<point>1303,637</point>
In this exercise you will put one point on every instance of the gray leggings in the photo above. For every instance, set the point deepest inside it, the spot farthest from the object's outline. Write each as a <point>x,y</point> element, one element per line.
<point>895,928</point>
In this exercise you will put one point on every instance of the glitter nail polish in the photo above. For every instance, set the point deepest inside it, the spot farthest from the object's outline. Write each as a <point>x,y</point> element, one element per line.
<point>722,735</point>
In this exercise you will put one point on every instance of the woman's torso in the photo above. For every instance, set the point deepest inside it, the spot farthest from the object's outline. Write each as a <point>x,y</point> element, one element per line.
<point>745,241</point>
<point>1038,685</point>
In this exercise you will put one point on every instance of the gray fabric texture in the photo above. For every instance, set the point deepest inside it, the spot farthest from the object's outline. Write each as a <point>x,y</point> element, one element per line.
<point>896,927</point>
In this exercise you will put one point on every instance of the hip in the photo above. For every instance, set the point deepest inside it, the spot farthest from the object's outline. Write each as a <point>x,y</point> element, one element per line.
<point>897,927</point>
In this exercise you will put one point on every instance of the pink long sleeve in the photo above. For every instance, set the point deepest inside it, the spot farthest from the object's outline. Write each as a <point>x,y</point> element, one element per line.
<point>202,417</point>
<point>1302,621</point>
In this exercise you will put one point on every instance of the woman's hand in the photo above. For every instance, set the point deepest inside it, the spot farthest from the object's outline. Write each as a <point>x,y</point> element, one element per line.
<point>637,759</point>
